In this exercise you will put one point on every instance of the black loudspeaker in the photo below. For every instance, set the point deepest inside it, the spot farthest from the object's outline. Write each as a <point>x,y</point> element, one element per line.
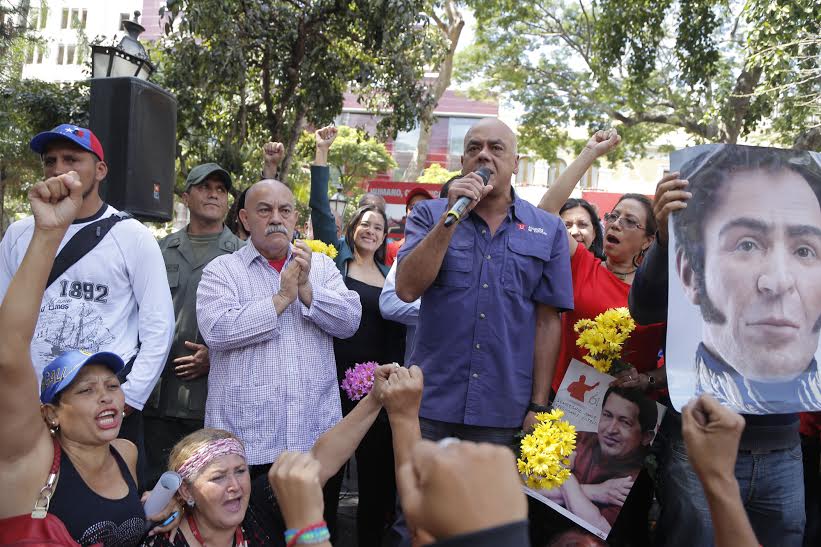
<point>136,122</point>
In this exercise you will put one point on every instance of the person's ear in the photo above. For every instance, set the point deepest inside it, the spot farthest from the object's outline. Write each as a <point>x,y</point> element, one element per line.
<point>516,165</point>
<point>185,196</point>
<point>648,240</point>
<point>184,492</point>
<point>243,217</point>
<point>688,278</point>
<point>49,414</point>
<point>100,171</point>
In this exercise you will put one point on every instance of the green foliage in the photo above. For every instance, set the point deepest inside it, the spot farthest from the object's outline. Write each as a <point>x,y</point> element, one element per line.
<point>245,72</point>
<point>436,174</point>
<point>27,108</point>
<point>354,158</point>
<point>717,69</point>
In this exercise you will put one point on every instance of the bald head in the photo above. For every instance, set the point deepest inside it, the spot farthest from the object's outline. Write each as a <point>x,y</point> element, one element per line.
<point>258,188</point>
<point>493,126</point>
<point>270,217</point>
<point>490,143</point>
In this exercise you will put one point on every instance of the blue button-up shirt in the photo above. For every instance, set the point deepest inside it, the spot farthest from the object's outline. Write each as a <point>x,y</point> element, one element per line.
<point>477,322</point>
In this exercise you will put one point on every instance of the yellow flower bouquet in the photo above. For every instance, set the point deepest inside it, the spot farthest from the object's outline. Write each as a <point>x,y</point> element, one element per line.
<point>543,457</point>
<point>321,247</point>
<point>604,337</point>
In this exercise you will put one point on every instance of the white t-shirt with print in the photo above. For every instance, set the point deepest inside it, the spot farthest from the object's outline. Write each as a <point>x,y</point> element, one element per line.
<point>115,298</point>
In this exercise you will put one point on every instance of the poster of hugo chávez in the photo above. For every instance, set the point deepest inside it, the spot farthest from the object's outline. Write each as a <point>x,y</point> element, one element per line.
<point>614,430</point>
<point>745,279</point>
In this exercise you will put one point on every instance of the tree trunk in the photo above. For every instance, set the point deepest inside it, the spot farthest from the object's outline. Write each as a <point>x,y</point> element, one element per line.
<point>451,28</point>
<point>2,201</point>
<point>296,129</point>
<point>809,140</point>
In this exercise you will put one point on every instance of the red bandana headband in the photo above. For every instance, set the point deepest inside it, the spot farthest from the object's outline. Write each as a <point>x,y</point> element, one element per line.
<point>205,454</point>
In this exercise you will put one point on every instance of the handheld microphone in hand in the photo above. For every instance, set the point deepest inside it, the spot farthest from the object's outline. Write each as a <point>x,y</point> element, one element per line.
<point>461,205</point>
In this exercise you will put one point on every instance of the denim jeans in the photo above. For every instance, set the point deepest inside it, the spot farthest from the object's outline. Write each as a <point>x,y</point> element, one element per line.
<point>772,490</point>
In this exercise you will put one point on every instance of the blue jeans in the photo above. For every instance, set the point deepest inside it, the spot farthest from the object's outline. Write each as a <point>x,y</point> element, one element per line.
<point>772,490</point>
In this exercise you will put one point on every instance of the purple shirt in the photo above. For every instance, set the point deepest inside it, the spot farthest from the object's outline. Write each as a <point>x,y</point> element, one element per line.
<point>477,322</point>
<point>272,381</point>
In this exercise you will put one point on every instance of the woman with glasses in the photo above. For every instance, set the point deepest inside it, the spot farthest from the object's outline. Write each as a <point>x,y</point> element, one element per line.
<point>603,283</point>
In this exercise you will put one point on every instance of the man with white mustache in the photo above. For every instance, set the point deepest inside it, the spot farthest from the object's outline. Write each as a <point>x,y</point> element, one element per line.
<point>268,314</point>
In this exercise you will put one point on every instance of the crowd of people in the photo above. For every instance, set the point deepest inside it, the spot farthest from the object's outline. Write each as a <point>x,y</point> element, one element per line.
<point>227,369</point>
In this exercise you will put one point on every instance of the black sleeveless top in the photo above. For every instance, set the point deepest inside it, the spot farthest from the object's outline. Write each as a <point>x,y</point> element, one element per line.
<point>92,519</point>
<point>377,339</point>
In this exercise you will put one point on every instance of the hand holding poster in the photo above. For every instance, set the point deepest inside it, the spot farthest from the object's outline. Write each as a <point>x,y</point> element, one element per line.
<point>615,428</point>
<point>745,279</point>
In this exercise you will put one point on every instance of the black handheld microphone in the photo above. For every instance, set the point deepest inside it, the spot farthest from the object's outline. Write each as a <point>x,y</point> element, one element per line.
<point>461,205</point>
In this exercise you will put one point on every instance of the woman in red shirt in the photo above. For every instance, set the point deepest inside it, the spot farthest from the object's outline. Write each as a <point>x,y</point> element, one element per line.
<point>599,285</point>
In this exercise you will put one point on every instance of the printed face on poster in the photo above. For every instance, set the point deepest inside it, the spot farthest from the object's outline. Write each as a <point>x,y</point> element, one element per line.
<point>614,430</point>
<point>745,279</point>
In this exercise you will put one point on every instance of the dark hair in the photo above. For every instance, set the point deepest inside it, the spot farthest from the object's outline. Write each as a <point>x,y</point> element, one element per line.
<point>354,222</point>
<point>372,198</point>
<point>648,411</point>
<point>443,193</point>
<point>650,225</point>
<point>597,247</point>
<point>707,172</point>
<point>232,220</point>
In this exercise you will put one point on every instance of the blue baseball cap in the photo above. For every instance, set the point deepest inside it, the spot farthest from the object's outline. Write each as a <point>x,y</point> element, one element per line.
<point>80,136</point>
<point>59,373</point>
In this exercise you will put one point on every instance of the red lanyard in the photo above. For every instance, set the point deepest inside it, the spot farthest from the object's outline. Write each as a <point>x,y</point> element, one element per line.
<point>238,537</point>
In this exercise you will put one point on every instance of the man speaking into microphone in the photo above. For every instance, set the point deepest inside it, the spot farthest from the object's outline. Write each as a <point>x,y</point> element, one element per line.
<point>493,282</point>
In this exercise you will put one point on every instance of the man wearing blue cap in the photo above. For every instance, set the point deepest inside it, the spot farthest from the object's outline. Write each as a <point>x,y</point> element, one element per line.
<point>111,293</point>
<point>177,406</point>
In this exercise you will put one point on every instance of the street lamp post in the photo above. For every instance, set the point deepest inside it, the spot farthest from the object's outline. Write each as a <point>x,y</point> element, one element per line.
<point>128,58</point>
<point>135,121</point>
<point>339,202</point>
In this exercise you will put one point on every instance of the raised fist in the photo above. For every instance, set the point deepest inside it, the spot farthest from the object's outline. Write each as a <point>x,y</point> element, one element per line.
<point>603,142</point>
<point>325,136</point>
<point>273,152</point>
<point>55,202</point>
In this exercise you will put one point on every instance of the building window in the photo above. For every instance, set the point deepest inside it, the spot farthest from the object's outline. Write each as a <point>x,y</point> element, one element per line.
<point>30,55</point>
<point>406,141</point>
<point>527,172</point>
<point>41,51</point>
<point>33,19</point>
<point>590,180</point>
<point>61,50</point>
<point>84,19</point>
<point>81,57</point>
<point>556,168</point>
<point>457,129</point>
<point>70,55</point>
<point>64,20</point>
<point>43,16</point>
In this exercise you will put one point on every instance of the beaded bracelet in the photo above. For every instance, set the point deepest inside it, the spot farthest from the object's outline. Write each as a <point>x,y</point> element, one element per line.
<point>310,535</point>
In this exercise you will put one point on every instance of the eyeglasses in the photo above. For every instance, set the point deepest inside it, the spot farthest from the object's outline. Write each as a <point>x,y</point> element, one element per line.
<point>626,222</point>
